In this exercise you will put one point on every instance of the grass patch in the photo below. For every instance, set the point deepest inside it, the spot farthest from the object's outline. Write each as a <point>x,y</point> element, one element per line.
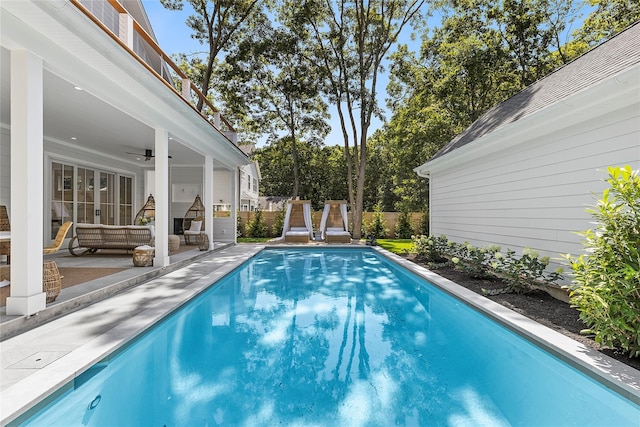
<point>253,239</point>
<point>397,246</point>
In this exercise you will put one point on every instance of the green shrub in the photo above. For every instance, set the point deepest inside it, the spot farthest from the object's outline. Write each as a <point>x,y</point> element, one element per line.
<point>429,248</point>
<point>521,274</point>
<point>607,276</point>
<point>423,228</point>
<point>257,227</point>
<point>404,230</point>
<point>278,221</point>
<point>378,227</point>
<point>239,226</point>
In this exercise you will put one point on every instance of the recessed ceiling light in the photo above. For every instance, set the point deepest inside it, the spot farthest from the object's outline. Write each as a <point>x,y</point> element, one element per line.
<point>77,88</point>
<point>74,138</point>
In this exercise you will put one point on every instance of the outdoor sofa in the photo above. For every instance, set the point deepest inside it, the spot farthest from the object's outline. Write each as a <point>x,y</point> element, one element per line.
<point>91,237</point>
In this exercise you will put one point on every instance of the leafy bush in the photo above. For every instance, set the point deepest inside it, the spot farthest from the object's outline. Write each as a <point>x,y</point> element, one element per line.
<point>608,275</point>
<point>429,248</point>
<point>278,221</point>
<point>423,228</point>
<point>239,226</point>
<point>257,227</point>
<point>404,230</point>
<point>378,227</point>
<point>522,274</point>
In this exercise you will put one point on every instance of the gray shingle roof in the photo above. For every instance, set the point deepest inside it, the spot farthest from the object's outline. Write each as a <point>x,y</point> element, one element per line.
<point>607,59</point>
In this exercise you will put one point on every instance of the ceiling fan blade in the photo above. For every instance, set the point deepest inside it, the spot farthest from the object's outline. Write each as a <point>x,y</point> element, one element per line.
<point>148,154</point>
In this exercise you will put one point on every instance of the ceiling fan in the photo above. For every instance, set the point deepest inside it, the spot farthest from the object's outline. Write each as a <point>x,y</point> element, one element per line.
<point>148,154</point>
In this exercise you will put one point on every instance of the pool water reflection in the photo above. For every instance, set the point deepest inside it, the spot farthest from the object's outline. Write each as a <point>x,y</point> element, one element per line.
<point>332,337</point>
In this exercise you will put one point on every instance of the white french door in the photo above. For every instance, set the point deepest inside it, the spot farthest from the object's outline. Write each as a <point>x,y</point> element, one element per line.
<point>89,195</point>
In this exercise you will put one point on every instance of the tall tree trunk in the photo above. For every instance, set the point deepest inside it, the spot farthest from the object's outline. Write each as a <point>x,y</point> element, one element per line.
<point>294,153</point>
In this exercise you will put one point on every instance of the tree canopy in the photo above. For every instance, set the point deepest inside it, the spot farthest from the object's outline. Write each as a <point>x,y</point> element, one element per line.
<point>276,66</point>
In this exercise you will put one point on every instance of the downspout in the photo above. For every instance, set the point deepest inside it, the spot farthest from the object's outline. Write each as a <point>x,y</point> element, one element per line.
<point>427,175</point>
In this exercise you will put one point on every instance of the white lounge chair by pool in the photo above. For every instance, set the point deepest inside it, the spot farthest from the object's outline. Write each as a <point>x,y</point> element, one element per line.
<point>298,227</point>
<point>334,226</point>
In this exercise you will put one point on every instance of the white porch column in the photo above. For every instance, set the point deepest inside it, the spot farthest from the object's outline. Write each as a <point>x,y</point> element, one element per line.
<point>186,89</point>
<point>27,186</point>
<point>235,201</point>
<point>208,198</point>
<point>126,29</point>
<point>162,197</point>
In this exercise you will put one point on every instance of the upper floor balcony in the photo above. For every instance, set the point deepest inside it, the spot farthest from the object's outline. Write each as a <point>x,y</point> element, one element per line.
<point>112,17</point>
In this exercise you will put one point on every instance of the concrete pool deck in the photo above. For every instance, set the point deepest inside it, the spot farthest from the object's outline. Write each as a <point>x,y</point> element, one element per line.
<point>46,358</point>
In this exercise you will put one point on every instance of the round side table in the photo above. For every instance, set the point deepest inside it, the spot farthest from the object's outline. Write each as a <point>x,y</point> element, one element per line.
<point>143,257</point>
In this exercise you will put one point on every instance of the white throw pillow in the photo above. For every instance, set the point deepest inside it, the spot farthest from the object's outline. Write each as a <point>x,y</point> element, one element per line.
<point>195,226</point>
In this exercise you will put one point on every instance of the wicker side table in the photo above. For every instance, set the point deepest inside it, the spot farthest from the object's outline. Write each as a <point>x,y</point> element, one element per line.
<point>143,256</point>
<point>174,243</point>
<point>51,280</point>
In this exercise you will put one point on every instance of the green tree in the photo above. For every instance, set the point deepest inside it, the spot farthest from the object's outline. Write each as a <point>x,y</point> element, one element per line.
<point>256,226</point>
<point>423,228</point>
<point>609,18</point>
<point>214,24</point>
<point>278,222</point>
<point>404,229</point>
<point>350,40</point>
<point>268,80</point>
<point>378,227</point>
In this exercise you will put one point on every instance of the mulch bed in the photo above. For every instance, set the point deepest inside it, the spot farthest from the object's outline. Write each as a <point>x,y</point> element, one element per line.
<point>538,306</point>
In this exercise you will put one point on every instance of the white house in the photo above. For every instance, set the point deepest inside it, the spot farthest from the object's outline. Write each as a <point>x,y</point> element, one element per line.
<point>524,173</point>
<point>91,123</point>
<point>247,189</point>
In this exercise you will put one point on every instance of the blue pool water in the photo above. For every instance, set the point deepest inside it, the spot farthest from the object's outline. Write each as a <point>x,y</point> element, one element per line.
<point>332,337</point>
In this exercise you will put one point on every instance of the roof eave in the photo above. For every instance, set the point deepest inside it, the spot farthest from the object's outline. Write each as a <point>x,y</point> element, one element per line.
<point>614,93</point>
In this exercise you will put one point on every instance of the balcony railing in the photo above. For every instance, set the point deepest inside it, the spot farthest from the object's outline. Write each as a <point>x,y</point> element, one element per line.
<point>114,20</point>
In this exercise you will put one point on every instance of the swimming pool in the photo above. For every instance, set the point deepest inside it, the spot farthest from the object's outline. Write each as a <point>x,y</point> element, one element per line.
<point>332,337</point>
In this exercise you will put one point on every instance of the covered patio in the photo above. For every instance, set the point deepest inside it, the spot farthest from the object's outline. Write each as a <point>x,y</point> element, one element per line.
<point>92,123</point>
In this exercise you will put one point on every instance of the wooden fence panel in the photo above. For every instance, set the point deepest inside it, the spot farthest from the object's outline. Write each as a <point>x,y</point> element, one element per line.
<point>390,218</point>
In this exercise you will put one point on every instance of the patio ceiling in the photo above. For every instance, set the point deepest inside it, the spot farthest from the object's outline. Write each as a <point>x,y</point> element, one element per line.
<point>96,126</point>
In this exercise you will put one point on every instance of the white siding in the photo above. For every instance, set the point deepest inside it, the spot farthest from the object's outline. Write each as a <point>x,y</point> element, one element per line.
<point>535,193</point>
<point>223,229</point>
<point>222,187</point>
<point>187,175</point>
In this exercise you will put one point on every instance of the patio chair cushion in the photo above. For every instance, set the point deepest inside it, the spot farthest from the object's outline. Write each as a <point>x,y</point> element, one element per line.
<point>195,226</point>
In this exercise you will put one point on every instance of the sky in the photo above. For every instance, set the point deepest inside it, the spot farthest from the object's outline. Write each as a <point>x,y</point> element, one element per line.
<point>175,37</point>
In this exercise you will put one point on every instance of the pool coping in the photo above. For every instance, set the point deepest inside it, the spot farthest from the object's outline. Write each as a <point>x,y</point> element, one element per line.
<point>20,397</point>
<point>613,374</point>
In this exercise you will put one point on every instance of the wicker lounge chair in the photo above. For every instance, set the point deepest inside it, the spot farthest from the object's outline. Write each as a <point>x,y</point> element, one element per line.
<point>297,223</point>
<point>195,212</point>
<point>334,226</point>
<point>196,228</point>
<point>57,243</point>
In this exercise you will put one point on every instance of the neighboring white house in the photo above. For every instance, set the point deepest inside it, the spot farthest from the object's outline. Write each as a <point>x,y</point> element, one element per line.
<point>523,173</point>
<point>90,123</point>
<point>248,186</point>
<point>273,203</point>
